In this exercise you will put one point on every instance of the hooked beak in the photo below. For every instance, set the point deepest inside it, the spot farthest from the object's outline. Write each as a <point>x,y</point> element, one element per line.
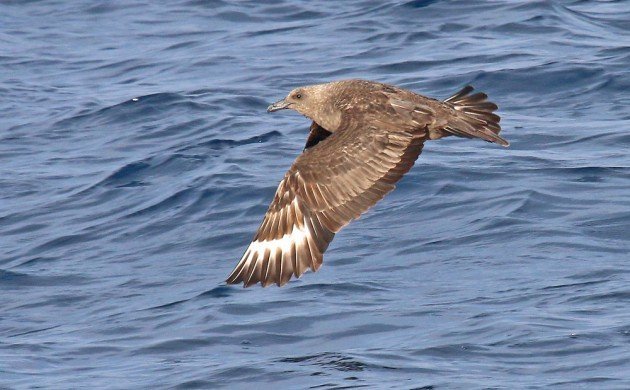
<point>279,105</point>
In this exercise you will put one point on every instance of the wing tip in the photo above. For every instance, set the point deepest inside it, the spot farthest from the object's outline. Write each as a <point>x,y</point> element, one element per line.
<point>236,277</point>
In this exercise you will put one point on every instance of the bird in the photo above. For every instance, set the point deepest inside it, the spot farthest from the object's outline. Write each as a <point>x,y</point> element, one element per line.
<point>364,136</point>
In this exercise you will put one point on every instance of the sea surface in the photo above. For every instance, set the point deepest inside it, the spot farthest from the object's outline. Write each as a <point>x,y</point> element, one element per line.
<point>137,161</point>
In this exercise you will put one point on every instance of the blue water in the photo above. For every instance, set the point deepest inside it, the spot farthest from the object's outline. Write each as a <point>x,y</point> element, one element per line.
<point>138,160</point>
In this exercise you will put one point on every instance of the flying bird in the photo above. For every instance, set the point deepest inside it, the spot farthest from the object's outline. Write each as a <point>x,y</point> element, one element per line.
<point>363,138</point>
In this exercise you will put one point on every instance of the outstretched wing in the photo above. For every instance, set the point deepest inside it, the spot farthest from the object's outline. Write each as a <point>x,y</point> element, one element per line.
<point>329,185</point>
<point>290,240</point>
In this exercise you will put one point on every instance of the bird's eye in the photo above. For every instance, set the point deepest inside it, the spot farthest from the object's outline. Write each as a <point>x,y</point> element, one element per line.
<point>298,96</point>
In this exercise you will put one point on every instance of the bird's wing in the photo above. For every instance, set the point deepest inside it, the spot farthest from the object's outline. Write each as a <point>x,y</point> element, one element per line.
<point>329,185</point>
<point>316,135</point>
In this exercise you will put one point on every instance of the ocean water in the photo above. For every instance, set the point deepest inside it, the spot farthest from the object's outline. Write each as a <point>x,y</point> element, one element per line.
<point>137,160</point>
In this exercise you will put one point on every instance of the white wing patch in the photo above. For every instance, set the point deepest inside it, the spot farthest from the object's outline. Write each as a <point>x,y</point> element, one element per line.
<point>296,236</point>
<point>257,249</point>
<point>277,259</point>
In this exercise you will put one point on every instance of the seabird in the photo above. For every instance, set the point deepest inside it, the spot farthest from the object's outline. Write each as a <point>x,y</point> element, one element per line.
<point>364,137</point>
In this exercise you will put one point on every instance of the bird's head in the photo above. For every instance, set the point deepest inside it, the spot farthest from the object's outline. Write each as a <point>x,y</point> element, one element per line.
<point>317,102</point>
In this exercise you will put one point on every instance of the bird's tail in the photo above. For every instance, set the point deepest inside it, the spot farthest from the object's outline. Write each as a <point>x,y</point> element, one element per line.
<point>474,117</point>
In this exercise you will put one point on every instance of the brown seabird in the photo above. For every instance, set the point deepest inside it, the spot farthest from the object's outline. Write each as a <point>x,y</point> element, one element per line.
<point>364,137</point>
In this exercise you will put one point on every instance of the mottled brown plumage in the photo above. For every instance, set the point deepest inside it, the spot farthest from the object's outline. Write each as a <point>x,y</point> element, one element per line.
<point>364,137</point>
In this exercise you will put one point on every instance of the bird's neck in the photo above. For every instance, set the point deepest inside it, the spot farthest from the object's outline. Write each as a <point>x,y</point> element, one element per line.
<point>329,118</point>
